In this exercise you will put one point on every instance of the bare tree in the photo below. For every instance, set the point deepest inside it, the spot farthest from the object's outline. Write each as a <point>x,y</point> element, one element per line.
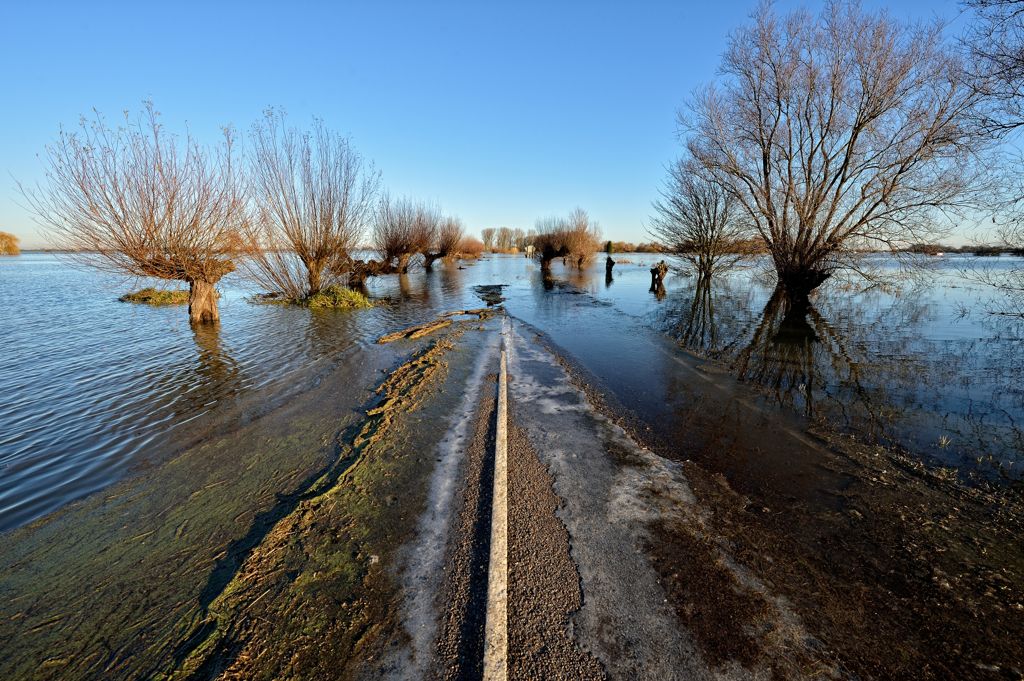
<point>549,241</point>
<point>313,196</point>
<point>9,244</point>
<point>137,200</point>
<point>847,128</point>
<point>402,229</point>
<point>698,220</point>
<point>582,238</point>
<point>576,237</point>
<point>446,241</point>
<point>488,234</point>
<point>995,42</point>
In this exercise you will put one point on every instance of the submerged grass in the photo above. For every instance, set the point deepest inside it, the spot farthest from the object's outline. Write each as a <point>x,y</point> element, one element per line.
<point>323,573</point>
<point>338,298</point>
<point>333,297</point>
<point>156,296</point>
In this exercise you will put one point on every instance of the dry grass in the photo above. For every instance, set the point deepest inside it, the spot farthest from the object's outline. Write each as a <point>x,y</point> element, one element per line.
<point>156,296</point>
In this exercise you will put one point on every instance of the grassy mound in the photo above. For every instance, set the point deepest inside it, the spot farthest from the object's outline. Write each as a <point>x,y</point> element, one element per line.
<point>338,297</point>
<point>156,296</point>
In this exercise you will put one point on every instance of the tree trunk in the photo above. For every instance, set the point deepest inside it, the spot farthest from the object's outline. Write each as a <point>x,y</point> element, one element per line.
<point>314,271</point>
<point>799,281</point>
<point>202,302</point>
<point>658,273</point>
<point>403,263</point>
<point>428,260</point>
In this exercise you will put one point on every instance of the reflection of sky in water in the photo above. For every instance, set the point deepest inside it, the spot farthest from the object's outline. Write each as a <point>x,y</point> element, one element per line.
<point>902,363</point>
<point>90,386</point>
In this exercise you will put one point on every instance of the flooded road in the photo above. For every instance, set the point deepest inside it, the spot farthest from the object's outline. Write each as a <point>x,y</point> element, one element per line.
<point>750,502</point>
<point>114,386</point>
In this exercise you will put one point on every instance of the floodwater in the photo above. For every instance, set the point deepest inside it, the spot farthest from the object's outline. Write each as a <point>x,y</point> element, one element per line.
<point>93,390</point>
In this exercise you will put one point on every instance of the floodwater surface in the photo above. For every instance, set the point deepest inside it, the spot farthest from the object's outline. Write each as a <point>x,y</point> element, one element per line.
<point>93,390</point>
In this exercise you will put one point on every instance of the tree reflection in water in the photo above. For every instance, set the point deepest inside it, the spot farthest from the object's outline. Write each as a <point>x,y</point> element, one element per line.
<point>793,352</point>
<point>218,375</point>
<point>858,361</point>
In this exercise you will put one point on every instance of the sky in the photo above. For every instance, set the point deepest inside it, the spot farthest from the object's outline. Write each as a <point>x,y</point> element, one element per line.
<point>500,112</point>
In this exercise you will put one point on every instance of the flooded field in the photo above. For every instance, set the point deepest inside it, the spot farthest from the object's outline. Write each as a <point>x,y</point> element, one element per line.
<point>114,387</point>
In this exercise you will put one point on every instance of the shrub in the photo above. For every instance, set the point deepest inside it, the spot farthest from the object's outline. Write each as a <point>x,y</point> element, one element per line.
<point>157,296</point>
<point>8,244</point>
<point>470,247</point>
<point>338,297</point>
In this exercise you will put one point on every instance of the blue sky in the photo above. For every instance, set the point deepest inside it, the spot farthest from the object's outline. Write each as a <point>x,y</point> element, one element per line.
<point>500,112</point>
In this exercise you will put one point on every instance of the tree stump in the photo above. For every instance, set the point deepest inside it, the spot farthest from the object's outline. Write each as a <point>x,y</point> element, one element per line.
<point>658,273</point>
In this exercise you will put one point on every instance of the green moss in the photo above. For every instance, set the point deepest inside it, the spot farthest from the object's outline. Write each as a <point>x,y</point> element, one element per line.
<point>338,297</point>
<point>155,296</point>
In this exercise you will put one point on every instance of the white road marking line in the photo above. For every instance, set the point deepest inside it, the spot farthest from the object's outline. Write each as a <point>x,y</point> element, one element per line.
<point>496,627</point>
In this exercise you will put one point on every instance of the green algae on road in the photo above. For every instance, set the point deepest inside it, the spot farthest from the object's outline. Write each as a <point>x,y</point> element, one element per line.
<point>325,572</point>
<point>173,573</point>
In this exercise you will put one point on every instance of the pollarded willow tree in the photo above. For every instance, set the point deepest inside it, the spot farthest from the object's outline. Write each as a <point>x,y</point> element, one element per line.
<point>445,243</point>
<point>843,129</point>
<point>402,229</point>
<point>698,220</point>
<point>139,201</point>
<point>313,198</point>
<point>576,238</point>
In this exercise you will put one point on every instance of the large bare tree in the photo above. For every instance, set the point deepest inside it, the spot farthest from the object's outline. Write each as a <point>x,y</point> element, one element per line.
<point>698,219</point>
<point>846,128</point>
<point>137,200</point>
<point>995,42</point>
<point>313,197</point>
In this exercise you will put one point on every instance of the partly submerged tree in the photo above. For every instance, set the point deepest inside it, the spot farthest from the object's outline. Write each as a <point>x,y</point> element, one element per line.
<point>137,200</point>
<point>9,244</point>
<point>445,244</point>
<point>576,238</point>
<point>403,228</point>
<point>846,128</point>
<point>313,196</point>
<point>698,219</point>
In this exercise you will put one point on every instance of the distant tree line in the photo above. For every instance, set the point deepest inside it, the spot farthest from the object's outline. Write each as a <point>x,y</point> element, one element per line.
<point>506,239</point>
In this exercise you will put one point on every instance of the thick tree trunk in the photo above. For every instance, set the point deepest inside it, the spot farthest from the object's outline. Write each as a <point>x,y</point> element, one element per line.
<point>428,260</point>
<point>403,263</point>
<point>314,278</point>
<point>799,280</point>
<point>202,303</point>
